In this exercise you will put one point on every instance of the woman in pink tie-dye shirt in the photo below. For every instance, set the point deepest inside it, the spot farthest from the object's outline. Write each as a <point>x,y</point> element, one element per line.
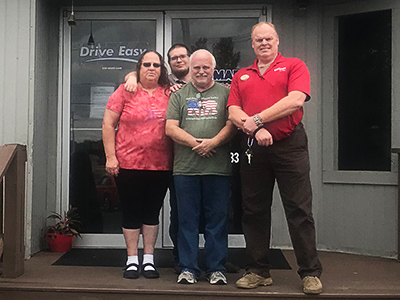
<point>139,154</point>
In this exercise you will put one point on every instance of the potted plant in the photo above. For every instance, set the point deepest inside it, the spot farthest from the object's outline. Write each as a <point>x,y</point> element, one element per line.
<point>60,235</point>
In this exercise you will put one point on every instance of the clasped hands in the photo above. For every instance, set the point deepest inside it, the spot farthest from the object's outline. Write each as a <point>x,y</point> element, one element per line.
<point>263,137</point>
<point>205,148</point>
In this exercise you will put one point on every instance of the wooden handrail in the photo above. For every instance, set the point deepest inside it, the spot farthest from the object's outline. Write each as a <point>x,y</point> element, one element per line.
<point>12,181</point>
<point>7,153</point>
<point>397,150</point>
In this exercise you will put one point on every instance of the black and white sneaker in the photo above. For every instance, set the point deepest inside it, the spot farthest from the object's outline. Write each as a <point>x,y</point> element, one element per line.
<point>186,277</point>
<point>217,278</point>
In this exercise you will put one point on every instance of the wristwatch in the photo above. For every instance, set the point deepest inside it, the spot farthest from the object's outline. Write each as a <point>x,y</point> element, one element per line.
<point>257,119</point>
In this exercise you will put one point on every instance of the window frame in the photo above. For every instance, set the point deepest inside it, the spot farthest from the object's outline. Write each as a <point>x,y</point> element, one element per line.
<point>330,172</point>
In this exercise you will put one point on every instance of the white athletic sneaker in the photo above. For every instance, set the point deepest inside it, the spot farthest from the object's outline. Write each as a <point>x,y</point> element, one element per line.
<point>217,278</point>
<point>186,277</point>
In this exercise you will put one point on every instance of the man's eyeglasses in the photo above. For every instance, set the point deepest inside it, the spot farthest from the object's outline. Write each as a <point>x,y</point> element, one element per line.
<point>174,58</point>
<point>147,64</point>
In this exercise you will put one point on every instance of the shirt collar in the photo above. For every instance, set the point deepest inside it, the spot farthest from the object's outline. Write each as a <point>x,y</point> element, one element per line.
<point>277,60</point>
<point>175,80</point>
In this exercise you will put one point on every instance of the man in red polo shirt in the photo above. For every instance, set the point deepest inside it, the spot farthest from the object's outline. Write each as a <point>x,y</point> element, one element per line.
<point>266,102</point>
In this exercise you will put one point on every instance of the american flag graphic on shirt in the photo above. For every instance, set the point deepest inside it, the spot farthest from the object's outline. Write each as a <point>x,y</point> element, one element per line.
<point>202,108</point>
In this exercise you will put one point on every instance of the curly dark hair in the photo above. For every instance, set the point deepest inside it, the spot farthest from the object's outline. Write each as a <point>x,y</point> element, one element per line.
<point>163,79</point>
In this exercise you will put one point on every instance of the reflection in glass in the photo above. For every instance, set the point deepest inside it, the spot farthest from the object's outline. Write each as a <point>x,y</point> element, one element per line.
<point>228,39</point>
<point>97,69</point>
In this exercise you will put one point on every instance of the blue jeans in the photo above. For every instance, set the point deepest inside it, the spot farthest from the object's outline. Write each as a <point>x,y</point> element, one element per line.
<point>209,193</point>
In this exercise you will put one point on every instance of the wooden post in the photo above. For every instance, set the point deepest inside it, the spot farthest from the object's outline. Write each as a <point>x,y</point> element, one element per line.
<point>397,150</point>
<point>12,166</point>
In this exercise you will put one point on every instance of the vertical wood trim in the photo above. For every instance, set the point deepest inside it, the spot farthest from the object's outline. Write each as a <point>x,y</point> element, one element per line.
<point>13,258</point>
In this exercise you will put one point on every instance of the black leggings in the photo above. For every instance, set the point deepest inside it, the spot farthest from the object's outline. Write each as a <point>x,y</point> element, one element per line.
<point>141,193</point>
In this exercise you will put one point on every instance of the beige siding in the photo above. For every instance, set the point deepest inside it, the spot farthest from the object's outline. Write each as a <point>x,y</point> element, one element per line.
<point>360,219</point>
<point>359,209</point>
<point>15,64</point>
<point>45,111</point>
<point>16,84</point>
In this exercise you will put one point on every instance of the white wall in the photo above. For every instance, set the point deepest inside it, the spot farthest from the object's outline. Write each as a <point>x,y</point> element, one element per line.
<point>15,70</point>
<point>45,120</point>
<point>28,101</point>
<point>16,83</point>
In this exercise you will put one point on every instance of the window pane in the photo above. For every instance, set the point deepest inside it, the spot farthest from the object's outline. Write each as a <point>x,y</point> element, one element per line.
<point>229,40</point>
<point>364,104</point>
<point>96,71</point>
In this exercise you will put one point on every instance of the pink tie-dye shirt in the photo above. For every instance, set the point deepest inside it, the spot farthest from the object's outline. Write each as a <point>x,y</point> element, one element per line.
<point>141,143</point>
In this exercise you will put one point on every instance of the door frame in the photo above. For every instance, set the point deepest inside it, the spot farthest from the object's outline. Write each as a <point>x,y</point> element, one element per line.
<point>163,43</point>
<point>97,240</point>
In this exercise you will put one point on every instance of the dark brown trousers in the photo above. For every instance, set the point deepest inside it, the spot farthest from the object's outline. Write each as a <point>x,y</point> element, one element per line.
<point>287,163</point>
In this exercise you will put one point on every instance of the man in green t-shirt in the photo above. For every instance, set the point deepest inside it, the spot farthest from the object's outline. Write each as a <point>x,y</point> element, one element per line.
<point>198,123</point>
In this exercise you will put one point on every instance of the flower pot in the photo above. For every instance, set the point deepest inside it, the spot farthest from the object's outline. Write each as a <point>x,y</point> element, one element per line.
<point>58,242</point>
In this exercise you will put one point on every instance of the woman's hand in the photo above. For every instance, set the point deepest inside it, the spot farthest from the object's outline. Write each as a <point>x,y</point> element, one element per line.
<point>112,166</point>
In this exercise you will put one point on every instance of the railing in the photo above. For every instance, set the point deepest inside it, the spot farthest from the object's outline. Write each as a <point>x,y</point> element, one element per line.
<point>397,150</point>
<point>12,206</point>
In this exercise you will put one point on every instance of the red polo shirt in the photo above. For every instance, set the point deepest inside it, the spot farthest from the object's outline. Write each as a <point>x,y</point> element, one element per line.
<point>254,92</point>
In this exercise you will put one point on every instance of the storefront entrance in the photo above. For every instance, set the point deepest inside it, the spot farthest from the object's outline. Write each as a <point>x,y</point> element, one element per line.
<point>98,52</point>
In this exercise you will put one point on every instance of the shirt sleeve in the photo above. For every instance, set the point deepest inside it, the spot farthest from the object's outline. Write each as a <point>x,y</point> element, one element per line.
<point>234,98</point>
<point>173,107</point>
<point>116,100</point>
<point>299,79</point>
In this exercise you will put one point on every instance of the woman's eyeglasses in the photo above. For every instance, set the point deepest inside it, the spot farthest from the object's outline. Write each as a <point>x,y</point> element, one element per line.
<point>147,64</point>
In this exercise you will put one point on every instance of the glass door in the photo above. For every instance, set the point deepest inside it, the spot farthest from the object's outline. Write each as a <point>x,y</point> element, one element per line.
<point>226,34</point>
<point>98,52</point>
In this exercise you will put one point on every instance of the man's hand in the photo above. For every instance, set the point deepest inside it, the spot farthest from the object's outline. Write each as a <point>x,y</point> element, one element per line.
<point>205,148</point>
<point>249,125</point>
<point>175,87</point>
<point>112,166</point>
<point>131,84</point>
<point>264,138</point>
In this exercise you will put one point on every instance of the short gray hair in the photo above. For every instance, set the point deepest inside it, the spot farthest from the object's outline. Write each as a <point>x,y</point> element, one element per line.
<point>214,62</point>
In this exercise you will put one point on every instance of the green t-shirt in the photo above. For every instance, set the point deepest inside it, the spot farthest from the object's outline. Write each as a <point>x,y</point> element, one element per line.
<point>203,115</point>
